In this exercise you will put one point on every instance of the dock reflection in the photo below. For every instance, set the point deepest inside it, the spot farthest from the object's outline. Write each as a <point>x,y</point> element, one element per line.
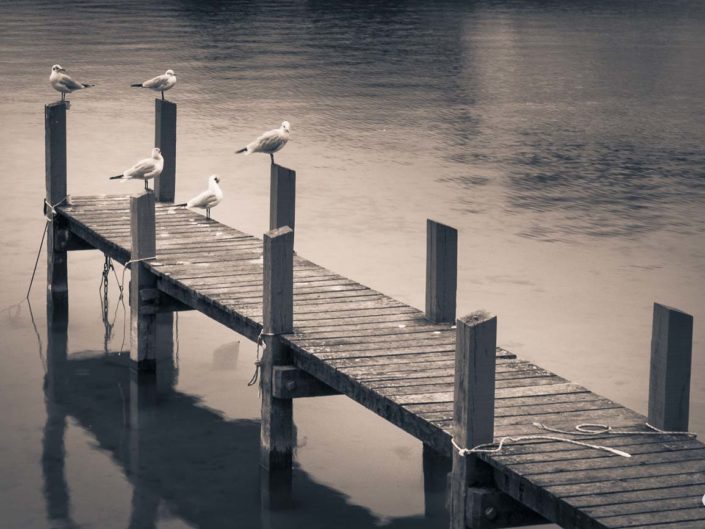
<point>174,451</point>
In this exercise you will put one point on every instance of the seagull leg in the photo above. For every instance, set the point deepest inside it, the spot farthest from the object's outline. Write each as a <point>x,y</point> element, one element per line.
<point>162,95</point>
<point>63,96</point>
<point>272,157</point>
<point>146,184</point>
<point>208,213</point>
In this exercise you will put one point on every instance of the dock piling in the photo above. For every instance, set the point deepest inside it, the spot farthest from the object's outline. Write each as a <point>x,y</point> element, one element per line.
<point>165,139</point>
<point>441,271</point>
<point>57,236</point>
<point>143,327</point>
<point>276,437</point>
<point>282,197</point>
<point>669,380</point>
<point>473,412</point>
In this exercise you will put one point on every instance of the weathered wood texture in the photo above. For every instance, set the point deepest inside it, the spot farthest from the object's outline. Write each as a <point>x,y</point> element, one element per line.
<point>669,383</point>
<point>143,291</point>
<point>282,198</point>
<point>388,357</point>
<point>441,271</point>
<point>165,139</point>
<point>277,434</point>
<point>473,415</point>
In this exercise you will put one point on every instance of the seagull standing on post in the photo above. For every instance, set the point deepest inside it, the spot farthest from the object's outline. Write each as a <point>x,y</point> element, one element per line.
<point>61,82</point>
<point>210,198</point>
<point>160,83</point>
<point>144,169</point>
<point>269,142</point>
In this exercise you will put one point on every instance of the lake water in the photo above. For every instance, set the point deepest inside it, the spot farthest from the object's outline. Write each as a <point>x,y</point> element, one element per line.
<point>565,140</point>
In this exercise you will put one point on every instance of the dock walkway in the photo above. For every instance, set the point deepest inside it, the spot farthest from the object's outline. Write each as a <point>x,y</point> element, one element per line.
<point>441,379</point>
<point>388,357</point>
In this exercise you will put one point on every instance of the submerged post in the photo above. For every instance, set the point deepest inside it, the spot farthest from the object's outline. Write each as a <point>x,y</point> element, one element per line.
<point>282,197</point>
<point>669,381</point>
<point>441,271</point>
<point>143,328</point>
<point>276,437</point>
<point>57,236</point>
<point>165,139</point>
<point>475,359</point>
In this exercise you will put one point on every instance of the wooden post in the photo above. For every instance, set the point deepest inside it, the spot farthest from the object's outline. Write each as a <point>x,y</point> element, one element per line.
<point>165,139</point>
<point>143,328</point>
<point>669,383</point>
<point>282,198</point>
<point>276,437</point>
<point>473,414</point>
<point>57,235</point>
<point>441,271</point>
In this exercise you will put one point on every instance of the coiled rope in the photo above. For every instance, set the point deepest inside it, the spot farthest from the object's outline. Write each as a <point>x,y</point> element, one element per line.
<point>584,429</point>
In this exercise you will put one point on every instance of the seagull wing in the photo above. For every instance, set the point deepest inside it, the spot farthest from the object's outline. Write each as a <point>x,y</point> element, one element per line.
<point>269,142</point>
<point>141,168</point>
<point>157,83</point>
<point>68,82</point>
<point>202,200</point>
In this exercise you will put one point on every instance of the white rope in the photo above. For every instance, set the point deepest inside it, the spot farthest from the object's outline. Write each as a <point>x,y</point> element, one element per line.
<point>51,208</point>
<point>258,362</point>
<point>586,429</point>
<point>592,429</point>
<point>491,448</point>
<point>131,261</point>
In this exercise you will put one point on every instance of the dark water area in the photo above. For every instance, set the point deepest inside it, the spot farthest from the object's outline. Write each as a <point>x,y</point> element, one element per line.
<point>565,140</point>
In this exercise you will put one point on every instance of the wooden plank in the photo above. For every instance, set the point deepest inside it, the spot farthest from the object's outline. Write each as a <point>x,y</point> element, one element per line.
<point>639,520</point>
<point>669,382</point>
<point>165,139</point>
<point>441,271</point>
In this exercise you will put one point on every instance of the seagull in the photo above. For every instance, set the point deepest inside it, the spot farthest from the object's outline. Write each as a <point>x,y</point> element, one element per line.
<point>61,82</point>
<point>160,83</point>
<point>269,142</point>
<point>210,198</point>
<point>145,169</point>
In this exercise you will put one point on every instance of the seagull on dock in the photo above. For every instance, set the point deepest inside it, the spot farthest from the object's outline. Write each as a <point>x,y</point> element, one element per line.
<point>160,83</point>
<point>61,82</point>
<point>209,198</point>
<point>269,142</point>
<point>144,169</point>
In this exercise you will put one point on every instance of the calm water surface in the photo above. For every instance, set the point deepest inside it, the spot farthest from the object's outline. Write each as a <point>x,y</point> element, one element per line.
<point>566,141</point>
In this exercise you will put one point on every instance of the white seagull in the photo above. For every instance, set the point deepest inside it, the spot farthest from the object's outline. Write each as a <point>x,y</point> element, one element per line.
<point>160,83</point>
<point>144,169</point>
<point>269,142</point>
<point>210,198</point>
<point>61,82</point>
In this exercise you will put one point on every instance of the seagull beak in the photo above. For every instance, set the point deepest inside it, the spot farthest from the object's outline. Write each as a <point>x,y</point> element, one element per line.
<point>62,69</point>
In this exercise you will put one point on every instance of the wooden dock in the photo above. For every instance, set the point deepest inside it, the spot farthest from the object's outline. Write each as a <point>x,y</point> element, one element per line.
<point>435,376</point>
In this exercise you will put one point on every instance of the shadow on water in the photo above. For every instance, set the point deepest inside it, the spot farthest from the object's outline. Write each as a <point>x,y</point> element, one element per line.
<point>179,456</point>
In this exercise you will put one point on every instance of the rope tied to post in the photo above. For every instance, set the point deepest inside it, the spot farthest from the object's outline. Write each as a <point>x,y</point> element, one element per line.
<point>258,360</point>
<point>50,209</point>
<point>585,429</point>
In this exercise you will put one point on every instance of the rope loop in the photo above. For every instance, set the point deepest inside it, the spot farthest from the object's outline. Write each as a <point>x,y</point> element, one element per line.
<point>50,209</point>
<point>258,362</point>
<point>585,429</point>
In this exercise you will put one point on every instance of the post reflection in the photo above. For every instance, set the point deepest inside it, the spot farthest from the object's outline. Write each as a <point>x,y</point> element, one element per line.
<point>174,451</point>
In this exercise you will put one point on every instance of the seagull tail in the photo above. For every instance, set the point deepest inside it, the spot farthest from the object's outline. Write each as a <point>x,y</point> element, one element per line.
<point>116,177</point>
<point>86,85</point>
<point>182,205</point>
<point>244,149</point>
<point>136,85</point>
